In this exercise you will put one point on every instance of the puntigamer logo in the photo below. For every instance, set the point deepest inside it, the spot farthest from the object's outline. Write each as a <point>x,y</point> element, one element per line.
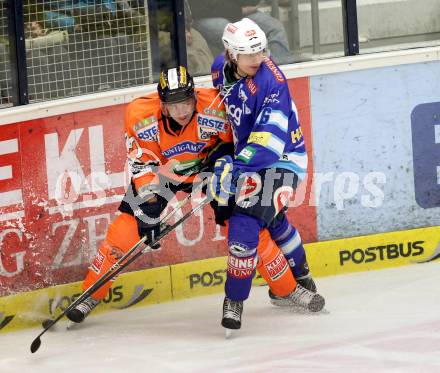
<point>380,253</point>
<point>184,147</point>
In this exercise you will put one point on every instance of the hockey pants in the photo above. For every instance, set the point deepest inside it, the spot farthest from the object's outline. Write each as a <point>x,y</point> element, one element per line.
<point>122,234</point>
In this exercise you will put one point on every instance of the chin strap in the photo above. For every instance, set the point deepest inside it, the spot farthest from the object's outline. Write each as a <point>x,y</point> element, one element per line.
<point>236,72</point>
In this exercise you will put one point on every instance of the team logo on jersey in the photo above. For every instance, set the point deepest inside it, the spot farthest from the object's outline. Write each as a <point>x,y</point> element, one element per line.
<point>274,69</point>
<point>234,114</point>
<point>260,138</point>
<point>147,129</point>
<point>97,262</point>
<point>242,94</point>
<point>144,123</point>
<point>277,267</point>
<point>272,98</point>
<point>184,147</point>
<point>246,154</point>
<point>297,136</point>
<point>250,83</point>
<point>215,112</point>
<point>206,133</point>
<point>211,123</point>
<point>241,267</point>
<point>148,134</point>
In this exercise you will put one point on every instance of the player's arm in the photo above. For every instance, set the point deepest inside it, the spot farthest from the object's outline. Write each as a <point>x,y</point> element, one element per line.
<point>143,159</point>
<point>267,141</point>
<point>223,146</point>
<point>143,162</point>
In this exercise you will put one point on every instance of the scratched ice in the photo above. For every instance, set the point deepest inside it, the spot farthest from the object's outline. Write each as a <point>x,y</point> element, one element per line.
<point>378,321</point>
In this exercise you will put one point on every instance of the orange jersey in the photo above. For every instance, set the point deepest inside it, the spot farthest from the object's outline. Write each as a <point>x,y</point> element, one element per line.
<point>151,141</point>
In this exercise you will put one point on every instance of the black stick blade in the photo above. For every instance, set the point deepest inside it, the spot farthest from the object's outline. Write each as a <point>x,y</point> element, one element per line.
<point>35,344</point>
<point>46,324</point>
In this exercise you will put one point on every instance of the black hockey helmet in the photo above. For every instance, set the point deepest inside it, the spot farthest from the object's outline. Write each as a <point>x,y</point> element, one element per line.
<point>175,85</point>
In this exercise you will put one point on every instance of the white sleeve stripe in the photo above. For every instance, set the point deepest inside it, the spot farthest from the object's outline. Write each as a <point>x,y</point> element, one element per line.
<point>294,109</point>
<point>292,244</point>
<point>277,118</point>
<point>276,144</point>
<point>298,158</point>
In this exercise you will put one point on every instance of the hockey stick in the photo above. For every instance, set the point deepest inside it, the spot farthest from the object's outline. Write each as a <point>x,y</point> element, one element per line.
<point>183,201</point>
<point>117,268</point>
<point>49,322</point>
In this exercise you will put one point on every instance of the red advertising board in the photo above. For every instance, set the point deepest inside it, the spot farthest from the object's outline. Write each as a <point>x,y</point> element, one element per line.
<point>303,211</point>
<point>61,180</point>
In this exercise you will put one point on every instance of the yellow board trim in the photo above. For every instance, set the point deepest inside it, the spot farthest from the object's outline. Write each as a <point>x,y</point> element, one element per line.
<point>131,289</point>
<point>372,252</point>
<point>202,277</point>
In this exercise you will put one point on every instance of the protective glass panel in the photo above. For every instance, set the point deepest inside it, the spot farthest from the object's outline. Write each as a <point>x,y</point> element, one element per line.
<point>75,47</point>
<point>297,30</point>
<point>389,24</point>
<point>5,70</point>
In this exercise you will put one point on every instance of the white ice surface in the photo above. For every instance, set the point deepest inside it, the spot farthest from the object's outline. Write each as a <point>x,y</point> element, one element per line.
<point>380,321</point>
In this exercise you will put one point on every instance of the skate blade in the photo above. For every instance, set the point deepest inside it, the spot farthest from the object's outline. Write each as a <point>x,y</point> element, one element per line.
<point>70,325</point>
<point>303,311</point>
<point>228,333</point>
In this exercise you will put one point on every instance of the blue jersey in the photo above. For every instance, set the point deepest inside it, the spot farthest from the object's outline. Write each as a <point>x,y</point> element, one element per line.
<point>264,119</point>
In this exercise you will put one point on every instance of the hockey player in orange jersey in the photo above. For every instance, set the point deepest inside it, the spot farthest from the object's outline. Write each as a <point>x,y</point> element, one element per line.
<point>171,136</point>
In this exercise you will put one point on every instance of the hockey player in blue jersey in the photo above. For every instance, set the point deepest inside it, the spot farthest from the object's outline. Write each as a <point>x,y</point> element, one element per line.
<point>270,160</point>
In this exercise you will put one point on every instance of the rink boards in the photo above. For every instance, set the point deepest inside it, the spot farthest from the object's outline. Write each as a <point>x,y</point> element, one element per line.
<point>157,285</point>
<point>372,133</point>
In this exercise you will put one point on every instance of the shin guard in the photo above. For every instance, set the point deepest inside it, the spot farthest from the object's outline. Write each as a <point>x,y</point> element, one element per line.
<point>122,234</point>
<point>289,241</point>
<point>273,266</point>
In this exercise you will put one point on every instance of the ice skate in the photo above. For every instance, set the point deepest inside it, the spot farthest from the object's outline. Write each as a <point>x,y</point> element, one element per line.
<point>305,278</point>
<point>306,281</point>
<point>232,311</point>
<point>300,297</point>
<point>82,310</point>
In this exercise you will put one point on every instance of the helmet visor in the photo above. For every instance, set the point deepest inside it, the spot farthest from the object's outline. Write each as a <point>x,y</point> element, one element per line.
<point>180,109</point>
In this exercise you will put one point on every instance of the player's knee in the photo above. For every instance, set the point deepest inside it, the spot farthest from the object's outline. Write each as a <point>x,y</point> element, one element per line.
<point>279,227</point>
<point>106,256</point>
<point>243,233</point>
<point>241,250</point>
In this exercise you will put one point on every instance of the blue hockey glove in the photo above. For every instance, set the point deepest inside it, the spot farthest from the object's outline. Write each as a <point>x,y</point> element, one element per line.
<point>221,149</point>
<point>223,182</point>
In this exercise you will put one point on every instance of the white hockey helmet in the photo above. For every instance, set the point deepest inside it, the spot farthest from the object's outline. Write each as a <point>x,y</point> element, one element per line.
<point>243,37</point>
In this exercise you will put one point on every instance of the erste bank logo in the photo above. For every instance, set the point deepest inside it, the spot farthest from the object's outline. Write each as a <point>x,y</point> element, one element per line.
<point>425,127</point>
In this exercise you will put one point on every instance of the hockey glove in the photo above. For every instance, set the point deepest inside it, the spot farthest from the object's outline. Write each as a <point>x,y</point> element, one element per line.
<point>223,182</point>
<point>221,149</point>
<point>188,168</point>
<point>204,164</point>
<point>147,217</point>
<point>222,213</point>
